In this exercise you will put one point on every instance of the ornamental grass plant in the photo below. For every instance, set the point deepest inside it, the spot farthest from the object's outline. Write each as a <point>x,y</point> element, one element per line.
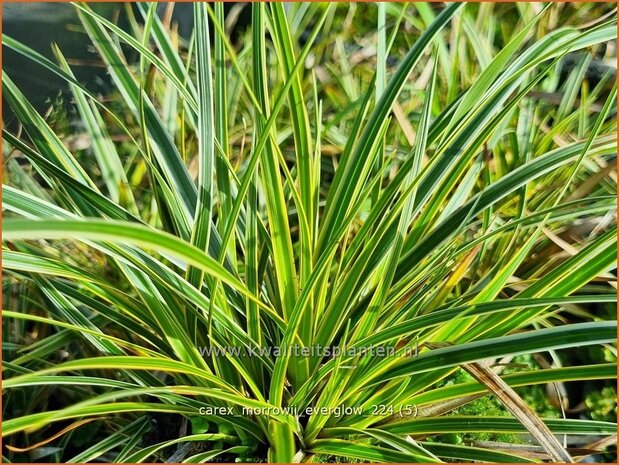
<point>326,240</point>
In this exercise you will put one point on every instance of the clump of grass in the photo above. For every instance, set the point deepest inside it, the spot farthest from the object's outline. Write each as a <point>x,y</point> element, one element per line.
<point>422,193</point>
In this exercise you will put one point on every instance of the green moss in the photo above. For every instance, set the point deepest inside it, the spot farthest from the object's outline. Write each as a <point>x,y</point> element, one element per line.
<point>602,404</point>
